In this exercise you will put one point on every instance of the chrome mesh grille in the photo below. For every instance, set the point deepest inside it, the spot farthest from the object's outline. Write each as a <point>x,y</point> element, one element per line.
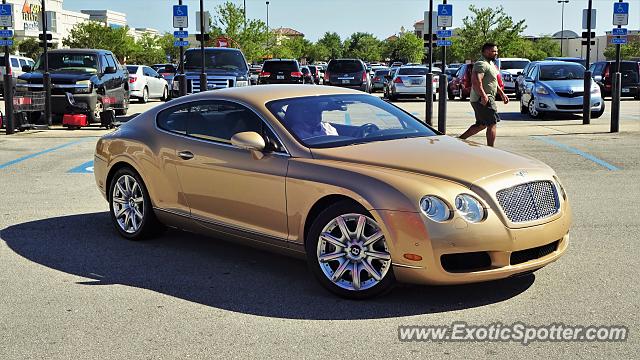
<point>531,201</point>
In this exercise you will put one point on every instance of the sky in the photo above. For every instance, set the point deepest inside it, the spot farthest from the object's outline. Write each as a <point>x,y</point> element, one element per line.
<point>382,18</point>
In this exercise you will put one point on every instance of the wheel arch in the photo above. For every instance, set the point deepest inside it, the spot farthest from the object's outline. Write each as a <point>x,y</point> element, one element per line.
<point>120,164</point>
<point>322,204</point>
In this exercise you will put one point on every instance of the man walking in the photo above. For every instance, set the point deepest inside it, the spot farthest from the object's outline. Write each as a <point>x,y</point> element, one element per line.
<point>484,87</point>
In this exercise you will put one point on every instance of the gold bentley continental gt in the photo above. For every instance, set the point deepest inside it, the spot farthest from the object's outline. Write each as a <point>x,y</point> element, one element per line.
<point>366,192</point>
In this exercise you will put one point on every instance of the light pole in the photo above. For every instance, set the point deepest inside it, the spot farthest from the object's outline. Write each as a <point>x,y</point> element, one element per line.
<point>268,33</point>
<point>562,30</point>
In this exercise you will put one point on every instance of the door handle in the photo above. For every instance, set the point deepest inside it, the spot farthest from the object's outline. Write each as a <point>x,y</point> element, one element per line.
<point>185,155</point>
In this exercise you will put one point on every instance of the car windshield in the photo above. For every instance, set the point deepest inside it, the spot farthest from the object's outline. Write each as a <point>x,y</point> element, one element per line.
<point>215,59</point>
<point>561,72</point>
<point>70,62</point>
<point>412,71</point>
<point>513,64</point>
<point>341,120</point>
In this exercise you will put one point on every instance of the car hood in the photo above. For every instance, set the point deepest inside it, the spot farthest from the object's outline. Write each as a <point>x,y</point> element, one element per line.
<point>565,85</point>
<point>191,73</point>
<point>58,76</point>
<point>441,156</point>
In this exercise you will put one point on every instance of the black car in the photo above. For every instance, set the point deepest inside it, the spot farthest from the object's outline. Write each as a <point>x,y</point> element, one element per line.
<point>351,73</point>
<point>281,71</point>
<point>93,77</point>
<point>225,67</point>
<point>603,72</point>
<point>315,72</point>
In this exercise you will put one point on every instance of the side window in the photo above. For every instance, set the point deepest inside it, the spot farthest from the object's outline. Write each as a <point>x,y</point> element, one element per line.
<point>15,63</point>
<point>175,119</point>
<point>23,62</point>
<point>533,73</point>
<point>110,61</point>
<point>220,120</point>
<point>152,72</point>
<point>103,63</point>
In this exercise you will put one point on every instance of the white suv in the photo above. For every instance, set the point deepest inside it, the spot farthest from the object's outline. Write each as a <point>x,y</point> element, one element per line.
<point>16,62</point>
<point>509,70</point>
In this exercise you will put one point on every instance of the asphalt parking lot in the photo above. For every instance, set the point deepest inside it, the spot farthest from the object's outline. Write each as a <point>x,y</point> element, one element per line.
<point>73,289</point>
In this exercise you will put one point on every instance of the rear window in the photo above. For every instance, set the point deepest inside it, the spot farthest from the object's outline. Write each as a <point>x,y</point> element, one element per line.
<point>345,66</point>
<point>412,71</point>
<point>132,69</point>
<point>627,66</point>
<point>273,66</point>
<point>513,64</point>
<point>382,72</point>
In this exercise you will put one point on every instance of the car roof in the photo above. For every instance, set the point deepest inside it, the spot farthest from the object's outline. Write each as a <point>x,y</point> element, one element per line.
<point>80,51</point>
<point>556,62</point>
<point>514,59</point>
<point>259,95</point>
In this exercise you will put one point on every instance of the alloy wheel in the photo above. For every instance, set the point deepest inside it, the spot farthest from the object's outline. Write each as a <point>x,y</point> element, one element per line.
<point>532,108</point>
<point>352,252</point>
<point>128,204</point>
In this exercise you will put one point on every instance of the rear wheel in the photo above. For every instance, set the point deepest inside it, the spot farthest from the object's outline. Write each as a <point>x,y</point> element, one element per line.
<point>145,95</point>
<point>130,205</point>
<point>165,95</point>
<point>348,254</point>
<point>450,94</point>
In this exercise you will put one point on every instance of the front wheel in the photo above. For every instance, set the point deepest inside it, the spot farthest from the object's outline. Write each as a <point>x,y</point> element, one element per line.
<point>145,95</point>
<point>165,94</point>
<point>130,205</point>
<point>347,252</point>
<point>533,112</point>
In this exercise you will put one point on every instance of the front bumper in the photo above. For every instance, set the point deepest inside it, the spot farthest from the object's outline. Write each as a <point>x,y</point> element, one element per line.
<point>501,242</point>
<point>554,103</point>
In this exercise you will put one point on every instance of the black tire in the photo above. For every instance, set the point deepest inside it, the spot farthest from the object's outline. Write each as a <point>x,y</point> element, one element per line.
<point>165,94</point>
<point>462,96</point>
<point>150,226</point>
<point>597,114</point>
<point>392,97</point>
<point>518,94</point>
<point>145,96</point>
<point>125,107</point>
<point>523,109</point>
<point>384,285</point>
<point>450,95</point>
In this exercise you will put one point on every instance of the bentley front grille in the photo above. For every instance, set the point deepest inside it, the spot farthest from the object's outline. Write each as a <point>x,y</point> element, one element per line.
<point>530,201</point>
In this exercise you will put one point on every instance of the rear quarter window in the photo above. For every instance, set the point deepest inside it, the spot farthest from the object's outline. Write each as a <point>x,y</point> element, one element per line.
<point>271,66</point>
<point>346,66</point>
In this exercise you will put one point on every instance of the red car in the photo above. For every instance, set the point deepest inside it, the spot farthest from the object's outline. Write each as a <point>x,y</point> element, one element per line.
<point>460,85</point>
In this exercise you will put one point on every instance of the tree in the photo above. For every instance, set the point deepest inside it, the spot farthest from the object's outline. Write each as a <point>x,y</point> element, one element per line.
<point>628,51</point>
<point>406,48</point>
<point>166,44</point>
<point>488,25</point>
<point>30,48</point>
<point>363,46</point>
<point>331,41</point>
<point>318,52</point>
<point>147,51</point>
<point>252,39</point>
<point>96,35</point>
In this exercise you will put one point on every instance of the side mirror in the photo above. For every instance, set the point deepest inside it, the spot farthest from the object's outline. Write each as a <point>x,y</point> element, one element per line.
<point>519,73</point>
<point>26,68</point>
<point>248,140</point>
<point>110,70</point>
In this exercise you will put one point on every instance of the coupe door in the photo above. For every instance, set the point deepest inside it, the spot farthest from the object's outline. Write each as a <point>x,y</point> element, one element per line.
<point>228,186</point>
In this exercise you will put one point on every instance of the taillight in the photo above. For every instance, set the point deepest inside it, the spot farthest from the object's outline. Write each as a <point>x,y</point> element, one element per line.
<point>436,78</point>
<point>264,74</point>
<point>605,76</point>
<point>397,80</point>
<point>296,74</point>
<point>364,76</point>
<point>376,78</point>
<point>326,76</point>
<point>132,79</point>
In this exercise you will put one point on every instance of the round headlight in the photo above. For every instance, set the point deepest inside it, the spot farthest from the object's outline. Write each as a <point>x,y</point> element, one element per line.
<point>470,208</point>
<point>434,208</point>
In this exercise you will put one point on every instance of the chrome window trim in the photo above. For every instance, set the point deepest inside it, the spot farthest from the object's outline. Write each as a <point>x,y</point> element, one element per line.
<point>281,153</point>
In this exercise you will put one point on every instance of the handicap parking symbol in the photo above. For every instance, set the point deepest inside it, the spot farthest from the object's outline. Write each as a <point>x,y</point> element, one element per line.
<point>85,168</point>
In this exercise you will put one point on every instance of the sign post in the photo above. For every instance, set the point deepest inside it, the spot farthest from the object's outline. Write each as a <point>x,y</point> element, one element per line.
<point>6,20</point>
<point>445,20</point>
<point>620,18</point>
<point>586,99</point>
<point>428,20</point>
<point>181,19</point>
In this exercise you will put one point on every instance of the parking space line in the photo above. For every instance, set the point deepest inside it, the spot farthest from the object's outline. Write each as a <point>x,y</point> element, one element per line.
<point>578,152</point>
<point>31,156</point>
<point>84,168</point>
